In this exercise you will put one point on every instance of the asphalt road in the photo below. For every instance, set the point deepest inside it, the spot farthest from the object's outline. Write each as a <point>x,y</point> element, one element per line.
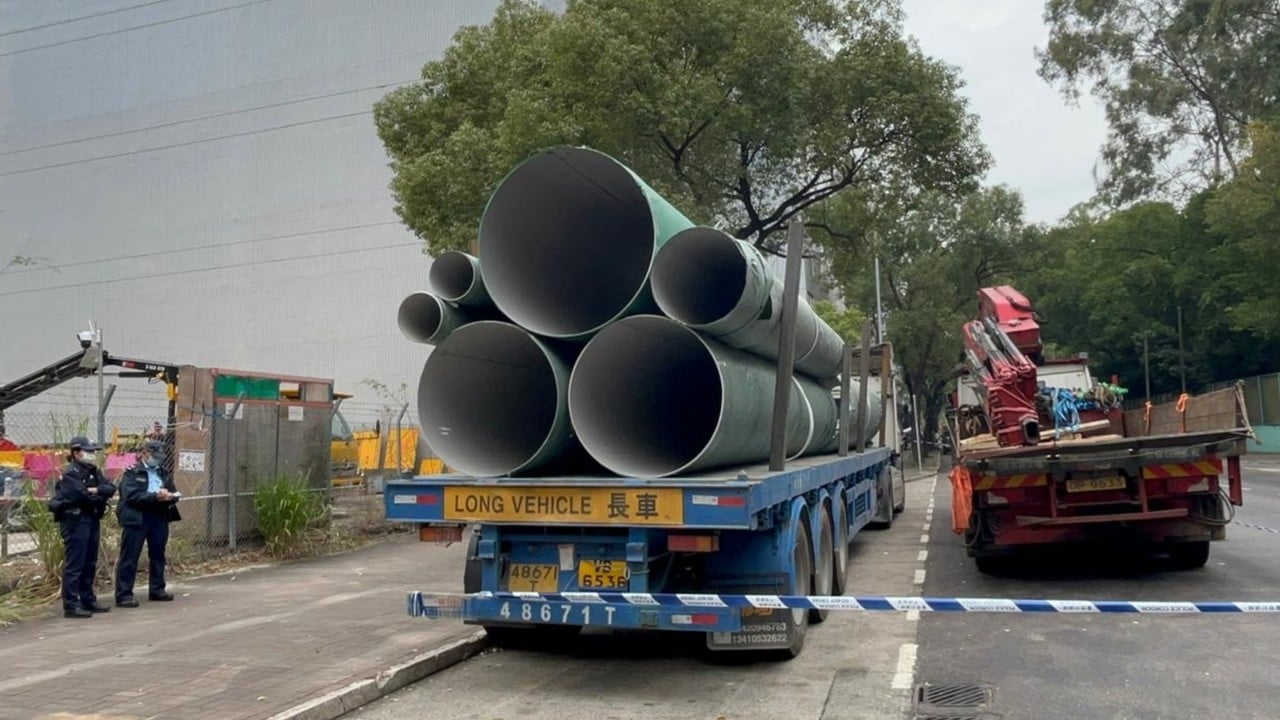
<point>1118,666</point>
<point>866,665</point>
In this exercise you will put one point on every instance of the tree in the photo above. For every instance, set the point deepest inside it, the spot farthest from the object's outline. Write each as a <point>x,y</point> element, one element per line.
<point>935,253</point>
<point>847,322</point>
<point>1246,211</point>
<point>744,112</point>
<point>1104,286</point>
<point>1180,80</point>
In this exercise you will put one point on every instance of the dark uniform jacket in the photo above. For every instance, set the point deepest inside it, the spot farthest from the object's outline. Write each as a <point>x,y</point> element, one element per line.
<point>135,500</point>
<point>71,494</point>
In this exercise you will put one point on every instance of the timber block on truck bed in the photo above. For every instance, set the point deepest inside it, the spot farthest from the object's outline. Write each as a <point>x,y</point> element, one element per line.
<point>1103,453</point>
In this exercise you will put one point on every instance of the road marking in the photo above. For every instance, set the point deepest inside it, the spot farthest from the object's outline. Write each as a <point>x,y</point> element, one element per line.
<point>904,677</point>
<point>924,555</point>
<point>924,539</point>
<point>913,616</point>
<point>926,527</point>
<point>919,577</point>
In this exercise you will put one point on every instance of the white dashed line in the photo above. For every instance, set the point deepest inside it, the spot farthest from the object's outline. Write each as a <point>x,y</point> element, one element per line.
<point>913,616</point>
<point>919,577</point>
<point>924,539</point>
<point>926,527</point>
<point>924,555</point>
<point>904,677</point>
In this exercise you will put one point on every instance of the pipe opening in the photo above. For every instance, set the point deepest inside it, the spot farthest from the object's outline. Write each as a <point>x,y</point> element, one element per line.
<point>451,276</point>
<point>420,316</point>
<point>701,279</point>
<point>645,397</point>
<point>566,242</point>
<point>487,399</point>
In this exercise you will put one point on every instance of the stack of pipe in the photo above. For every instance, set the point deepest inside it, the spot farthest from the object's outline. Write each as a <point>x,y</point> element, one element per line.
<point>608,331</point>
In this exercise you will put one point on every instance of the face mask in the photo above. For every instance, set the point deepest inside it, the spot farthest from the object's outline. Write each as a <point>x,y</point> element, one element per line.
<point>88,458</point>
<point>151,462</point>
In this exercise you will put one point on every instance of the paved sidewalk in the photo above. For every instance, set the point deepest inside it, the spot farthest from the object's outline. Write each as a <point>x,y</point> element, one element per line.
<point>236,646</point>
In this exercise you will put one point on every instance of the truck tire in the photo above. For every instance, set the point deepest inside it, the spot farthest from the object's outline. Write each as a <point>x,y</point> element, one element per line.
<point>996,565</point>
<point>801,557</point>
<point>902,501</point>
<point>824,554</point>
<point>506,636</point>
<point>840,565</point>
<point>1189,555</point>
<point>886,503</point>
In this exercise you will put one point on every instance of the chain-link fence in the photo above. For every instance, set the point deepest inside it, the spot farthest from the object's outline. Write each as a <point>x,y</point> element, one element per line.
<point>220,461</point>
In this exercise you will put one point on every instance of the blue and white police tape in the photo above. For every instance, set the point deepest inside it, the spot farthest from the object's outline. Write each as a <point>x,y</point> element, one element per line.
<point>1264,528</point>
<point>419,602</point>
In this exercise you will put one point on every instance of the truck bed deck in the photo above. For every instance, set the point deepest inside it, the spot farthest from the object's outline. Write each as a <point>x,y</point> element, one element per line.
<point>1170,448</point>
<point>729,498</point>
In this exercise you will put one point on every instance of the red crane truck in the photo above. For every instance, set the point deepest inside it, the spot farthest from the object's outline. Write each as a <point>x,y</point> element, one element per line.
<point>1046,455</point>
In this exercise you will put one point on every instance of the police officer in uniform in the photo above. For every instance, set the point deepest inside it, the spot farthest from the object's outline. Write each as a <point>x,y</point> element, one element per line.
<point>148,503</point>
<point>79,502</point>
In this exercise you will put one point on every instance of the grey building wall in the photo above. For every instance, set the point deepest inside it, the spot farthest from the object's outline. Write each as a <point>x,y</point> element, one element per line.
<point>202,179</point>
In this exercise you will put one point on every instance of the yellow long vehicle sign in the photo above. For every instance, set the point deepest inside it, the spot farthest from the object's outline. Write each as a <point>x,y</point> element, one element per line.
<point>591,506</point>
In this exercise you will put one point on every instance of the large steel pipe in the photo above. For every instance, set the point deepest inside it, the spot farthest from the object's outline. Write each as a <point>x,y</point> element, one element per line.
<point>492,401</point>
<point>651,398</point>
<point>717,284</point>
<point>567,241</point>
<point>455,276</point>
<point>426,318</point>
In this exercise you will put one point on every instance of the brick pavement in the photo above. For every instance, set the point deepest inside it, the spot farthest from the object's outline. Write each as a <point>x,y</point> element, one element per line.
<point>232,647</point>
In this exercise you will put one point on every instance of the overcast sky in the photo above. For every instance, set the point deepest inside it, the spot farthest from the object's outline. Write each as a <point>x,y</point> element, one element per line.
<point>1042,146</point>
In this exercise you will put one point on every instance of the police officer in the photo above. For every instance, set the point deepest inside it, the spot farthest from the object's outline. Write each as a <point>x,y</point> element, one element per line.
<point>79,502</point>
<point>148,503</point>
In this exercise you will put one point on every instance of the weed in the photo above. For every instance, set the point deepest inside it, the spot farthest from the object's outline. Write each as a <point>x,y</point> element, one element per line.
<point>287,508</point>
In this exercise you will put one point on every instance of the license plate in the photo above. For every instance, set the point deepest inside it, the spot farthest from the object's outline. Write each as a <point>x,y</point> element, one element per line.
<point>1093,484</point>
<point>602,575</point>
<point>533,578</point>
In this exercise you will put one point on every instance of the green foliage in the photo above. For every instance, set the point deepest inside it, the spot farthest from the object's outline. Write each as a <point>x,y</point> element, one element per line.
<point>935,253</point>
<point>1246,212</point>
<point>847,323</point>
<point>1180,81</point>
<point>46,533</point>
<point>286,509</point>
<point>741,111</point>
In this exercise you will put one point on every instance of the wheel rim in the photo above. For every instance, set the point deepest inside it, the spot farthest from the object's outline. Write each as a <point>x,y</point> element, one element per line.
<point>803,571</point>
<point>822,573</point>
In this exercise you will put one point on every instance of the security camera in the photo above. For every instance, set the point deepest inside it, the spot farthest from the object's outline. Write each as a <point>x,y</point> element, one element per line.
<point>86,339</point>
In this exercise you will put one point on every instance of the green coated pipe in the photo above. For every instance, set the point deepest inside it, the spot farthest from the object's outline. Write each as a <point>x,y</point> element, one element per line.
<point>650,397</point>
<point>492,401</point>
<point>426,318</point>
<point>567,241</point>
<point>455,276</point>
<point>719,285</point>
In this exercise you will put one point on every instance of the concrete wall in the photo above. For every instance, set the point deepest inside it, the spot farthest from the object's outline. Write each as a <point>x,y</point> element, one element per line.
<point>205,177</point>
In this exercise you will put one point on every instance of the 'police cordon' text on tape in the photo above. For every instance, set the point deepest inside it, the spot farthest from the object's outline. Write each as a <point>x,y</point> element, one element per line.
<point>444,604</point>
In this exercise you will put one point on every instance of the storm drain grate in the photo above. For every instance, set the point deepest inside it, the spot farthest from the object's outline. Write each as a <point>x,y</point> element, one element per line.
<point>953,695</point>
<point>953,701</point>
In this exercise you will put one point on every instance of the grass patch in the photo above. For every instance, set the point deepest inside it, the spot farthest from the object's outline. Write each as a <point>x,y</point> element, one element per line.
<point>287,509</point>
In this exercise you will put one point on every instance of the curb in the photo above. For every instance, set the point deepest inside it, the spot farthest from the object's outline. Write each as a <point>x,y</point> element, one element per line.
<point>339,702</point>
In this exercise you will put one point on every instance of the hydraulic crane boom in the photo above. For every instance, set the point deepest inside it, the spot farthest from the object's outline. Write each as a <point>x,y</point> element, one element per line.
<point>1008,378</point>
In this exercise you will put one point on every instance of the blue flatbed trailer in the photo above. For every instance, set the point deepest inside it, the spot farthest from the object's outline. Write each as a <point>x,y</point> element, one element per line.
<point>555,554</point>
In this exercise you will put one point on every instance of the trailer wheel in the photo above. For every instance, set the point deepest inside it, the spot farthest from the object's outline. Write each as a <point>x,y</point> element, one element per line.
<point>885,503</point>
<point>824,563</point>
<point>802,559</point>
<point>1189,555</point>
<point>840,562</point>
<point>902,501</point>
